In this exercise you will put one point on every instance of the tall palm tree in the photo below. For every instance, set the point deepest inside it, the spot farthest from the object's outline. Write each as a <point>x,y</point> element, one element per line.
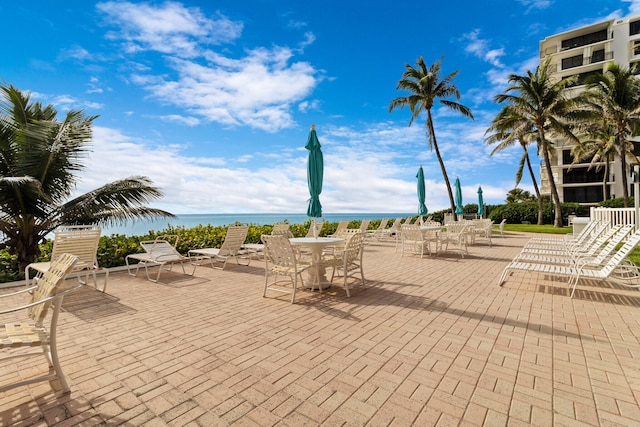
<point>615,96</point>
<point>39,159</point>
<point>539,101</point>
<point>508,130</point>
<point>425,87</point>
<point>598,145</point>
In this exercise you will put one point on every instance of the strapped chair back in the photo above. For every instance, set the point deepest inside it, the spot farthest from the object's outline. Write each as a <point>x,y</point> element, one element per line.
<point>348,261</point>
<point>310,232</point>
<point>235,237</point>
<point>456,233</point>
<point>281,260</point>
<point>34,334</point>
<point>381,231</point>
<point>364,225</point>
<point>79,240</point>
<point>280,227</point>
<point>413,240</point>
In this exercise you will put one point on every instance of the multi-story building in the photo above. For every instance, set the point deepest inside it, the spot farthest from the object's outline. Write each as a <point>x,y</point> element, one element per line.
<point>582,52</point>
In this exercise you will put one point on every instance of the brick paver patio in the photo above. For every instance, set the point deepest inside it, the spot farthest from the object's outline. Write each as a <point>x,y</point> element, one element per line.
<point>430,341</point>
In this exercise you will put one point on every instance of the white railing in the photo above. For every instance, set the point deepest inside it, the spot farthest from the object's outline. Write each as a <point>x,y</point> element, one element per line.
<point>615,216</point>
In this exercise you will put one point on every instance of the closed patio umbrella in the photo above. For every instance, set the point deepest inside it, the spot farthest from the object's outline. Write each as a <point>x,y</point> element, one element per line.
<point>480,202</point>
<point>422,208</point>
<point>459,210</point>
<point>315,170</point>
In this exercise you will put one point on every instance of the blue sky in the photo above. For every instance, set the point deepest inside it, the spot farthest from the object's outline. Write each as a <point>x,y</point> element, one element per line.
<point>213,100</point>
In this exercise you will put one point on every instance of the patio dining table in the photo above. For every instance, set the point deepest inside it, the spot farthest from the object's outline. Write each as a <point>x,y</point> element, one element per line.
<point>317,245</point>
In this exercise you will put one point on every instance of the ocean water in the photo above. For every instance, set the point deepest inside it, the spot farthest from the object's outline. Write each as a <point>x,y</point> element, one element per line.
<point>138,228</point>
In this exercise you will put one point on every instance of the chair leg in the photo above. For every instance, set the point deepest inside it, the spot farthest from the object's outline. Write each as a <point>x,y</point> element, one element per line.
<point>52,353</point>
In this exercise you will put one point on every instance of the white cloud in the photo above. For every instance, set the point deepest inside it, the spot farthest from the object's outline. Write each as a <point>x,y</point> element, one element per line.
<point>257,90</point>
<point>480,48</point>
<point>365,170</point>
<point>535,4</point>
<point>168,28</point>
<point>634,6</point>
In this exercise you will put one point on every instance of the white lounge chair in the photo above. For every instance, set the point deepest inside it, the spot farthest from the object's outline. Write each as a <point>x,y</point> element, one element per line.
<point>586,269</point>
<point>160,252</point>
<point>231,248</point>
<point>379,232</point>
<point>596,253</point>
<point>342,225</point>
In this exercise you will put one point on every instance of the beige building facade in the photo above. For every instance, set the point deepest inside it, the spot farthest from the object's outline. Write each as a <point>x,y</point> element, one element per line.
<point>582,52</point>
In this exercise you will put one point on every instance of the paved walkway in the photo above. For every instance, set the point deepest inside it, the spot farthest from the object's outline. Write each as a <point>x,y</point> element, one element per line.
<point>430,341</point>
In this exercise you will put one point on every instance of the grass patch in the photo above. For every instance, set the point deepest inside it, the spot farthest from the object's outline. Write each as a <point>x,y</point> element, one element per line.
<point>534,228</point>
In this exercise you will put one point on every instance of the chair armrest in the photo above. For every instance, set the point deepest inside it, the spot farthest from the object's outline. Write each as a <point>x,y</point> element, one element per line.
<point>22,291</point>
<point>33,304</point>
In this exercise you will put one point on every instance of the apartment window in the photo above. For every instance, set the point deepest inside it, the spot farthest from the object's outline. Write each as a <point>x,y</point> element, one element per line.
<point>586,39</point>
<point>567,158</point>
<point>582,175</point>
<point>597,56</point>
<point>583,194</point>
<point>571,62</point>
<point>634,28</point>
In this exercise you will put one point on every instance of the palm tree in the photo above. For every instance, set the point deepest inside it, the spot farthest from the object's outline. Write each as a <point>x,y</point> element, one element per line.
<point>39,159</point>
<point>506,136</point>
<point>597,145</point>
<point>425,86</point>
<point>540,102</point>
<point>518,195</point>
<point>615,97</point>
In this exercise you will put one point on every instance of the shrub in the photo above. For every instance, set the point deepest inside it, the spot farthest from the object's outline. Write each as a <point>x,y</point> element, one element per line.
<point>516,213</point>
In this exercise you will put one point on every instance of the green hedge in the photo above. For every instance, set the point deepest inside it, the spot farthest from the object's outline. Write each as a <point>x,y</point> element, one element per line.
<point>516,213</point>
<point>113,249</point>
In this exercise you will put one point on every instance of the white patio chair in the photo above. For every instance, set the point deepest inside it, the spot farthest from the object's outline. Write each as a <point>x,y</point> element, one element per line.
<point>456,234</point>
<point>413,240</point>
<point>348,261</point>
<point>501,227</point>
<point>19,338</point>
<point>282,260</point>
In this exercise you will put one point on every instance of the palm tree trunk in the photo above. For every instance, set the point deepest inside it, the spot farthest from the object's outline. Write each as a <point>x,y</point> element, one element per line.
<point>535,187</point>
<point>552,183</point>
<point>623,164</point>
<point>444,171</point>
<point>605,187</point>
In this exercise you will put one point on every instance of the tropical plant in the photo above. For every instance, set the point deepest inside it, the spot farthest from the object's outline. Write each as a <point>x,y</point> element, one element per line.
<point>39,161</point>
<point>597,145</point>
<point>615,97</point>
<point>506,136</point>
<point>518,195</point>
<point>425,87</point>
<point>538,102</point>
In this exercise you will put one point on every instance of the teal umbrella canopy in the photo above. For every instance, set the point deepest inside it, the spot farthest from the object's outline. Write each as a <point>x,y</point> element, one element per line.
<point>422,208</point>
<point>459,210</point>
<point>315,170</point>
<point>480,202</point>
